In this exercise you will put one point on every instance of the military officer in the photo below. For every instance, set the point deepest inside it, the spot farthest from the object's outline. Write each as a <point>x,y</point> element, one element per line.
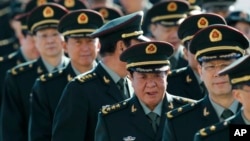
<point>76,27</point>
<point>76,113</point>
<point>241,21</point>
<point>221,7</point>
<point>164,19</point>
<point>108,13</point>
<point>215,47</point>
<point>188,78</point>
<point>148,67</point>
<point>73,4</point>
<point>42,23</point>
<point>239,78</point>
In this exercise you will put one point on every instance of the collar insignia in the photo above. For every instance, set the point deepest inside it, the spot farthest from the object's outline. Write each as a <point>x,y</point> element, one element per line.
<point>188,79</point>
<point>133,109</point>
<point>106,80</point>
<point>205,112</point>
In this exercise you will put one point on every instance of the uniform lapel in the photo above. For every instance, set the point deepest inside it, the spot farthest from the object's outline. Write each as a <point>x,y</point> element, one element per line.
<point>111,87</point>
<point>140,120</point>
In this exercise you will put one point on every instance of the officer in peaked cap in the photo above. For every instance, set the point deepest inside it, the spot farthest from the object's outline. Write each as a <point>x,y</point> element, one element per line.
<point>73,4</point>
<point>214,47</point>
<point>188,78</point>
<point>148,67</point>
<point>195,7</point>
<point>109,13</point>
<point>221,7</point>
<point>35,3</point>
<point>106,84</point>
<point>42,23</point>
<point>164,19</point>
<point>82,50</point>
<point>239,76</point>
<point>241,21</point>
<point>45,16</point>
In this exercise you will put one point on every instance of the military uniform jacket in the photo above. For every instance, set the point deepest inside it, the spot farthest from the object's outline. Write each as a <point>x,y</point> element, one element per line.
<point>127,120</point>
<point>46,93</point>
<point>219,131</point>
<point>76,114</point>
<point>16,100</point>
<point>7,62</point>
<point>182,123</point>
<point>183,82</point>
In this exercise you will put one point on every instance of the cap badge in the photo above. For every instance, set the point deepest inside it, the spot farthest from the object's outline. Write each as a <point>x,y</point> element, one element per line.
<point>192,1</point>
<point>202,22</point>
<point>104,12</point>
<point>151,49</point>
<point>69,3</point>
<point>48,12</point>
<point>215,35</point>
<point>129,138</point>
<point>172,6</point>
<point>82,18</point>
<point>40,2</point>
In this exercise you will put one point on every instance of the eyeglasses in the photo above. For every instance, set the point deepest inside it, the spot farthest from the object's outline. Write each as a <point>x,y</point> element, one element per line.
<point>213,67</point>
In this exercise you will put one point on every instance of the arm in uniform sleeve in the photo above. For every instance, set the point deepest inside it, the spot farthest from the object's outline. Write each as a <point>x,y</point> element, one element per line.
<point>70,119</point>
<point>101,130</point>
<point>11,113</point>
<point>40,122</point>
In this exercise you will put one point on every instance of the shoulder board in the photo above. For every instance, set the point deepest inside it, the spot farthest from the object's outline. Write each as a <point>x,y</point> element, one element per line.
<point>8,57</point>
<point>181,110</point>
<point>22,67</point>
<point>177,71</point>
<point>115,107</point>
<point>183,100</point>
<point>86,77</point>
<point>48,76</point>
<point>212,129</point>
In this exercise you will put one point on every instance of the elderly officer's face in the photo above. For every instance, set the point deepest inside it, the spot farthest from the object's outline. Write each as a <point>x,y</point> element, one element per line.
<point>149,87</point>
<point>49,42</point>
<point>216,85</point>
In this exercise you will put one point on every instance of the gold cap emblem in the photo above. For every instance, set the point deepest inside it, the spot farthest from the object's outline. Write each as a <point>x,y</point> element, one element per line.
<point>151,49</point>
<point>104,12</point>
<point>48,12</point>
<point>69,3</point>
<point>40,2</point>
<point>215,35</point>
<point>202,22</point>
<point>192,1</point>
<point>82,18</point>
<point>172,6</point>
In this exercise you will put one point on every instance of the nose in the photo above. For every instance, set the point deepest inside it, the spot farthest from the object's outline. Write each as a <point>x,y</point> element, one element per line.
<point>151,83</point>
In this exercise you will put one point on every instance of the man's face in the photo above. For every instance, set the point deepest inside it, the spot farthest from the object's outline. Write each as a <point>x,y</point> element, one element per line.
<point>82,51</point>
<point>167,34</point>
<point>49,42</point>
<point>243,96</point>
<point>149,87</point>
<point>215,84</point>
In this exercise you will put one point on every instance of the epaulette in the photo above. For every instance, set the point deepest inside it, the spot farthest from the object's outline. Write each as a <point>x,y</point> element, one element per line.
<point>86,77</point>
<point>183,100</point>
<point>49,76</point>
<point>115,107</point>
<point>212,129</point>
<point>8,57</point>
<point>181,110</point>
<point>22,67</point>
<point>177,71</point>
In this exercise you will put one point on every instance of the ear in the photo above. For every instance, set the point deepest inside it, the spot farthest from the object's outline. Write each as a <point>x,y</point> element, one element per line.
<point>152,29</point>
<point>237,95</point>
<point>185,53</point>
<point>120,46</point>
<point>65,44</point>
<point>200,71</point>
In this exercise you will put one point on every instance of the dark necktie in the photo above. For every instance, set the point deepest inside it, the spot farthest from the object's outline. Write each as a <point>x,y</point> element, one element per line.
<point>154,120</point>
<point>226,114</point>
<point>122,86</point>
